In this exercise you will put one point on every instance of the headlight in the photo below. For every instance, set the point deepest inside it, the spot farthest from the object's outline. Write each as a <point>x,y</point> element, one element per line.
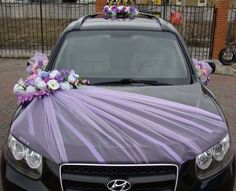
<point>204,160</point>
<point>214,159</point>
<point>221,149</point>
<point>33,159</point>
<point>16,148</point>
<point>23,159</point>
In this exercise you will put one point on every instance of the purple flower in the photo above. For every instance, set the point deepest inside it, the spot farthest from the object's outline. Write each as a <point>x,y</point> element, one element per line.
<point>132,9</point>
<point>65,73</point>
<point>47,79</point>
<point>40,62</point>
<point>25,98</point>
<point>30,82</point>
<point>115,9</point>
<point>42,93</point>
<point>59,78</point>
<point>106,9</point>
<point>44,74</point>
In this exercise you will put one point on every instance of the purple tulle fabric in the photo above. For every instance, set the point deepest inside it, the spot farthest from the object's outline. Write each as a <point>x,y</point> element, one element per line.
<point>98,125</point>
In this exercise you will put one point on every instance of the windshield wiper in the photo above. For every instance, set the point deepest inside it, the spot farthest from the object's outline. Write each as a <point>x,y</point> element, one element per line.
<point>132,81</point>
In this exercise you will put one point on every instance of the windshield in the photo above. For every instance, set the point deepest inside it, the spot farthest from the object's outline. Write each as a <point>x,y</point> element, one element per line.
<point>103,56</point>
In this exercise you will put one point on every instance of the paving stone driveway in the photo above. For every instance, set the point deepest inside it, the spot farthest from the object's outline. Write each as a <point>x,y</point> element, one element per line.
<point>223,87</point>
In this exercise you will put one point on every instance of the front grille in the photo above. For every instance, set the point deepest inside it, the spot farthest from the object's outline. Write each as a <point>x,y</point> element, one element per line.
<point>81,177</point>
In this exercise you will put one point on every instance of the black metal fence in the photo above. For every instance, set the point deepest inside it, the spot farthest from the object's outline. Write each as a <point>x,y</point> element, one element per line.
<point>29,27</point>
<point>197,26</point>
<point>231,37</point>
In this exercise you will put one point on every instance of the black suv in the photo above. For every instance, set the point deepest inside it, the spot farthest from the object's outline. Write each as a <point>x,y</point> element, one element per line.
<point>147,56</point>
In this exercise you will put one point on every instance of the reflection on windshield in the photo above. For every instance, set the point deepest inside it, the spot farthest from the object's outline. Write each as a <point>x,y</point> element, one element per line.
<point>124,54</point>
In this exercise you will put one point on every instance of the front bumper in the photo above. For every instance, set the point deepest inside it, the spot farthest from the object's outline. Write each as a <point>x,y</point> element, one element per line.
<point>50,181</point>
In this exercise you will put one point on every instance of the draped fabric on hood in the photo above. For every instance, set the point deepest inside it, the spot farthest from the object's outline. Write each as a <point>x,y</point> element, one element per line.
<point>98,125</point>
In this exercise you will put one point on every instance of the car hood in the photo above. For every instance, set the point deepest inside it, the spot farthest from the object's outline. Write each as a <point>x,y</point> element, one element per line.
<point>121,125</point>
<point>193,94</point>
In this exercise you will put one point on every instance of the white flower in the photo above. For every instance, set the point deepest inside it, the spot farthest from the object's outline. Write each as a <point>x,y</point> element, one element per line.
<point>76,76</point>
<point>18,89</point>
<point>127,10</point>
<point>21,82</point>
<point>30,89</point>
<point>40,73</point>
<point>38,80</point>
<point>72,72</point>
<point>41,85</point>
<point>72,78</point>
<point>120,7</point>
<point>65,86</point>
<point>53,84</point>
<point>53,74</point>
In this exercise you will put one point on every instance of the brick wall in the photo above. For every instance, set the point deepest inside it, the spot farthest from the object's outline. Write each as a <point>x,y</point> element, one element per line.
<point>100,5</point>
<point>221,26</point>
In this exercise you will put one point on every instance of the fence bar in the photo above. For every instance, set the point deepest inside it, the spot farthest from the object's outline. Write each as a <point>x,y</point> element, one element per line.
<point>213,16</point>
<point>41,24</point>
<point>232,25</point>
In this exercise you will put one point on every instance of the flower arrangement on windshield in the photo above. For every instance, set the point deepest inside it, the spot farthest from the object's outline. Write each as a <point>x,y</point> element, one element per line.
<point>40,82</point>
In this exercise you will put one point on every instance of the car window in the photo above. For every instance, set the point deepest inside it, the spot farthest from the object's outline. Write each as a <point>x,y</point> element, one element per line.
<point>103,55</point>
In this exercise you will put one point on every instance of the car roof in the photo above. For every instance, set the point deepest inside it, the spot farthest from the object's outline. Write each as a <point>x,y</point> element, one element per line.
<point>143,22</point>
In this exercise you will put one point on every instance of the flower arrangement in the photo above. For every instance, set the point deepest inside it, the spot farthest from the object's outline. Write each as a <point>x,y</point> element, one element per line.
<point>40,82</point>
<point>203,70</point>
<point>175,18</point>
<point>121,12</point>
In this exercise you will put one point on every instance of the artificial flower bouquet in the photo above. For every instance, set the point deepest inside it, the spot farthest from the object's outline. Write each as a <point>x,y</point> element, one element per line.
<point>120,11</point>
<point>41,82</point>
<point>203,70</point>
